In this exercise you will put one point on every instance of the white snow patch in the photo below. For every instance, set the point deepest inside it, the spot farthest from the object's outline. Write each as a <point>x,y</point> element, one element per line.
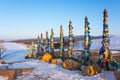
<point>14,52</point>
<point>31,63</point>
<point>48,71</point>
<point>3,78</point>
<point>14,46</point>
<point>115,52</point>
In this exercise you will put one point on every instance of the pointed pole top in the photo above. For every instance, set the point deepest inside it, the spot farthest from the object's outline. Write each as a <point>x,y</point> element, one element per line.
<point>41,35</point>
<point>60,26</point>
<point>105,13</point>
<point>46,34</point>
<point>86,19</point>
<point>70,22</point>
<point>105,10</point>
<point>52,32</point>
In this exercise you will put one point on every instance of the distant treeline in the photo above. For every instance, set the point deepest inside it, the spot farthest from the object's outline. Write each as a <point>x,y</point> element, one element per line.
<point>56,40</point>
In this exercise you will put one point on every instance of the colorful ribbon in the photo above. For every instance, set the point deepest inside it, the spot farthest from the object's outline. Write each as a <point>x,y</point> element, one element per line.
<point>52,41</point>
<point>33,47</point>
<point>85,58</point>
<point>70,40</point>
<point>47,42</point>
<point>61,42</point>
<point>40,45</point>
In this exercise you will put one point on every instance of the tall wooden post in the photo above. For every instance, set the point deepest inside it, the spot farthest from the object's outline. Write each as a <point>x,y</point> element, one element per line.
<point>38,45</point>
<point>85,57</point>
<point>52,41</point>
<point>47,42</point>
<point>105,52</point>
<point>61,42</point>
<point>70,40</point>
<point>41,45</point>
<point>33,50</point>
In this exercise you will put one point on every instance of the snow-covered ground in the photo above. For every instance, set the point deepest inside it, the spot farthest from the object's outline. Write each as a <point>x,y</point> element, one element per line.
<point>14,52</point>
<point>3,78</point>
<point>45,71</point>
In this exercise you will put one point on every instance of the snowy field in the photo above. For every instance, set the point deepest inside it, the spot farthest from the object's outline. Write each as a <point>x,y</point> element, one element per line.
<point>14,52</point>
<point>45,71</point>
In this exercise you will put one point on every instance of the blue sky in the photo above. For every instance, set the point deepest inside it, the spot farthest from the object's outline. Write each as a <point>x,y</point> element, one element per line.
<point>21,19</point>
